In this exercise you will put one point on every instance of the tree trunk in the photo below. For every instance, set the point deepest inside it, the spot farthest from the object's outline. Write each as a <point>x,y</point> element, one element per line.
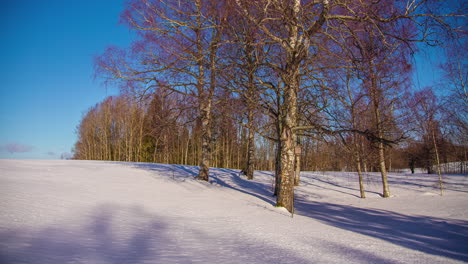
<point>297,164</point>
<point>378,121</point>
<point>249,167</point>
<point>286,176</point>
<point>166,149</point>
<point>287,142</point>
<point>277,169</point>
<point>361,181</point>
<point>186,162</point>
<point>206,96</point>
<point>441,184</point>
<point>390,161</point>
<point>297,170</point>
<point>155,152</point>
<point>278,156</point>
<point>206,141</point>
<point>383,171</point>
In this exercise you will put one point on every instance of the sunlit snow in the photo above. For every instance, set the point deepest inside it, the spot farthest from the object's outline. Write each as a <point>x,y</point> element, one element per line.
<point>110,212</point>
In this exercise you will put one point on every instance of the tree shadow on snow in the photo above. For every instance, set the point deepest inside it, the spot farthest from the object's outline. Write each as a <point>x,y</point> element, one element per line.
<point>436,236</point>
<point>128,234</point>
<point>223,177</point>
<point>233,180</point>
<point>171,171</point>
<point>355,191</point>
<point>431,235</point>
<point>98,240</point>
<point>426,182</point>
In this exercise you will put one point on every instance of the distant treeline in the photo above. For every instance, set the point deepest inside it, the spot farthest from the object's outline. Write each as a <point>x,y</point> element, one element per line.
<point>163,129</point>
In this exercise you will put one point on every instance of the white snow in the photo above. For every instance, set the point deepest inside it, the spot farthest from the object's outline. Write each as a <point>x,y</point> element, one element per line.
<point>110,212</point>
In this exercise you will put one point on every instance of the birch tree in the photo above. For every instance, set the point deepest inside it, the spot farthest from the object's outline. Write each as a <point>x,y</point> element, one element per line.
<point>177,48</point>
<point>294,26</point>
<point>426,111</point>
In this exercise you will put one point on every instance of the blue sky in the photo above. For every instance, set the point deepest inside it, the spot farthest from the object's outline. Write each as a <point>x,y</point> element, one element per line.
<point>46,71</point>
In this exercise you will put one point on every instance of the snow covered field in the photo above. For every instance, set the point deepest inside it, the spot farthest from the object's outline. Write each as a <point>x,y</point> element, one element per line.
<point>108,212</point>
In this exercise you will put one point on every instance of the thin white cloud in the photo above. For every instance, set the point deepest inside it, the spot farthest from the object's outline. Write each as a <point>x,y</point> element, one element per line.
<point>14,147</point>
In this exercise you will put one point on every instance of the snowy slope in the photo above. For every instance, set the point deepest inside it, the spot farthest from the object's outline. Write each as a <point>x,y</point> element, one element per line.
<point>109,212</point>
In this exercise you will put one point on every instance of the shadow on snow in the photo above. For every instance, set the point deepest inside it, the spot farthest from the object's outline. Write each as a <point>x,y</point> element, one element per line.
<point>436,236</point>
<point>114,234</point>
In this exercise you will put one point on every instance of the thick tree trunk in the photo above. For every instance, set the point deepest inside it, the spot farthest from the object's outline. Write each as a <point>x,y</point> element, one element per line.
<point>286,176</point>
<point>205,161</point>
<point>287,142</point>
<point>296,50</point>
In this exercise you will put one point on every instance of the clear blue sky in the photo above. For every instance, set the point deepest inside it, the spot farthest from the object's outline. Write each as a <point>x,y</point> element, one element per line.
<point>46,72</point>
<point>47,50</point>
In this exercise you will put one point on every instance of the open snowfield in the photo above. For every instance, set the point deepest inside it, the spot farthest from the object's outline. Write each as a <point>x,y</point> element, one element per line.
<point>56,212</point>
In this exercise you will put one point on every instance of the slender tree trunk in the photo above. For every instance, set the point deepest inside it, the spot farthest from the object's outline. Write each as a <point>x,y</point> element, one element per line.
<point>297,170</point>
<point>441,184</point>
<point>297,165</point>
<point>361,181</point>
<point>390,160</point>
<point>380,145</point>
<point>166,149</point>
<point>277,169</point>
<point>238,164</point>
<point>383,169</point>
<point>187,151</point>
<point>364,164</point>
<point>278,157</point>
<point>249,167</point>
<point>155,152</point>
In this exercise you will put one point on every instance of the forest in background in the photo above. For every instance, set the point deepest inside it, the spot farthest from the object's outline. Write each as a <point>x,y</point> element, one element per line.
<point>283,85</point>
<point>158,130</point>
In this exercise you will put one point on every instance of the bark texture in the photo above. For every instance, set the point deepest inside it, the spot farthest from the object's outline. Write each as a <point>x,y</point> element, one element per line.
<point>249,168</point>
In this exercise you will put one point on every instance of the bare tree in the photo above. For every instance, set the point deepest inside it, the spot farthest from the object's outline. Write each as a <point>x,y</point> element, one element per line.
<point>243,59</point>
<point>426,113</point>
<point>177,49</point>
<point>289,25</point>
